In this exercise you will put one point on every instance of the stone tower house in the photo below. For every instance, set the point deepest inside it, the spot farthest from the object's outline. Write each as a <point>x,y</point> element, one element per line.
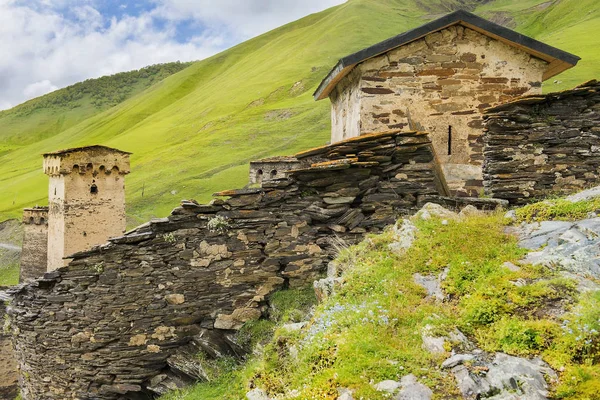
<point>34,253</point>
<point>86,199</point>
<point>438,78</point>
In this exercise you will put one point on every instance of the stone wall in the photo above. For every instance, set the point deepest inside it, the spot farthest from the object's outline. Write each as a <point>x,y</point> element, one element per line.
<point>540,145</point>
<point>8,362</point>
<point>107,325</point>
<point>86,199</point>
<point>34,253</point>
<point>439,84</point>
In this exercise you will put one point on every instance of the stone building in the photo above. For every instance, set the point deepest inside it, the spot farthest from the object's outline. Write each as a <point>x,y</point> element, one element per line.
<point>86,199</point>
<point>438,78</point>
<point>271,168</point>
<point>34,253</point>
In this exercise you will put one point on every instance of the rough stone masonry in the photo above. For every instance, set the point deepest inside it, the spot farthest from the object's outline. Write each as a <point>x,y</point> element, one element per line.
<point>541,145</point>
<point>105,326</point>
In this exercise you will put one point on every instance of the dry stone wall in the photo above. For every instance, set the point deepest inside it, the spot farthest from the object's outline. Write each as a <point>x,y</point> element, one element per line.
<point>107,326</point>
<point>539,145</point>
<point>8,362</point>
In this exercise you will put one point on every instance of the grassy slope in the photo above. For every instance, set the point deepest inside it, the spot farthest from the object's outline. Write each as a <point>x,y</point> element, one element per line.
<point>193,133</point>
<point>370,330</point>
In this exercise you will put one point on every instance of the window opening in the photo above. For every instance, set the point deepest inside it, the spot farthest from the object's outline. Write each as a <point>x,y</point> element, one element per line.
<point>450,140</point>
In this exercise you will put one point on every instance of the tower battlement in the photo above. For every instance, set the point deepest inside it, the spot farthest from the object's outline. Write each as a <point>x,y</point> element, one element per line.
<point>86,199</point>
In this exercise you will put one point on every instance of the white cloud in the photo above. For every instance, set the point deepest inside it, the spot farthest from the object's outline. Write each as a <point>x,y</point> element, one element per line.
<point>39,88</point>
<point>243,18</point>
<point>43,48</point>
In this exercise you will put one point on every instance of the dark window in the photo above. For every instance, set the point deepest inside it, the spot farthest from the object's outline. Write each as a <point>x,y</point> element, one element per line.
<point>31,220</point>
<point>450,140</point>
<point>273,173</point>
<point>94,189</point>
<point>42,221</point>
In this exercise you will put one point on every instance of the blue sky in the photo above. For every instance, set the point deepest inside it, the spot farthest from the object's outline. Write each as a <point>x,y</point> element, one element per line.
<point>49,44</point>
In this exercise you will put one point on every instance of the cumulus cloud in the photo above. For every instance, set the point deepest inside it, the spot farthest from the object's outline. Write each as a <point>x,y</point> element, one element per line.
<point>244,18</point>
<point>48,44</point>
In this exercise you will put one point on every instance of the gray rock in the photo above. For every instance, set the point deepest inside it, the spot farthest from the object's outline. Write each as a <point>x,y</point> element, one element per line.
<point>457,359</point>
<point>345,394</point>
<point>387,386</point>
<point>506,378</point>
<point>524,376</point>
<point>511,266</point>
<point>403,236</point>
<point>471,386</point>
<point>431,284</point>
<point>511,215</point>
<point>257,394</point>
<point>589,194</point>
<point>413,390</point>
<point>432,210</point>
<point>434,345</point>
<point>294,327</point>
<point>570,246</point>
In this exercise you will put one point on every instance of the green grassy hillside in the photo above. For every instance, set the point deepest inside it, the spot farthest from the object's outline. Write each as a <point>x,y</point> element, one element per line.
<point>194,132</point>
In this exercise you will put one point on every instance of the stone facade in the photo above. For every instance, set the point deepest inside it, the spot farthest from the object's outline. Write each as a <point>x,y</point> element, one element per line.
<point>107,325</point>
<point>269,169</point>
<point>439,84</point>
<point>34,253</point>
<point>543,145</point>
<point>86,199</point>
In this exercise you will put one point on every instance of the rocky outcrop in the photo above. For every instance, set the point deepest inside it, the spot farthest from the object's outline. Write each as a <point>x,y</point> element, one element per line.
<point>572,247</point>
<point>539,145</point>
<point>112,323</point>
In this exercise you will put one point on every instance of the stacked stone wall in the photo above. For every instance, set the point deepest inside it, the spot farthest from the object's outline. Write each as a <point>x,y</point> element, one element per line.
<point>108,325</point>
<point>541,145</point>
<point>8,362</point>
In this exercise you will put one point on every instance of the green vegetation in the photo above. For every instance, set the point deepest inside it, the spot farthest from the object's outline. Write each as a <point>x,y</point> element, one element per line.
<point>557,209</point>
<point>11,234</point>
<point>9,273</point>
<point>194,132</point>
<point>370,330</point>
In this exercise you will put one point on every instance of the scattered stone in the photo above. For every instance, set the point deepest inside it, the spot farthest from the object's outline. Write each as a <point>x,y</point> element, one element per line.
<point>432,284</point>
<point>294,327</point>
<point>257,394</point>
<point>511,215</point>
<point>432,210</point>
<point>470,211</point>
<point>403,236</point>
<point>512,267</point>
<point>387,386</point>
<point>457,359</point>
<point>345,394</point>
<point>413,390</point>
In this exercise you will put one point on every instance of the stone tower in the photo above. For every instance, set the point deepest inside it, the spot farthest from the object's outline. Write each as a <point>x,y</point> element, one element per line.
<point>86,199</point>
<point>34,254</point>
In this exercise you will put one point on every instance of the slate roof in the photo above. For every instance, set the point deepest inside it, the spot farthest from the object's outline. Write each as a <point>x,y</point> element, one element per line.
<point>558,60</point>
<point>85,148</point>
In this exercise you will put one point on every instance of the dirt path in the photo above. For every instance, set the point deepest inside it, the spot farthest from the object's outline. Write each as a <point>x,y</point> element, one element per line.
<point>8,246</point>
